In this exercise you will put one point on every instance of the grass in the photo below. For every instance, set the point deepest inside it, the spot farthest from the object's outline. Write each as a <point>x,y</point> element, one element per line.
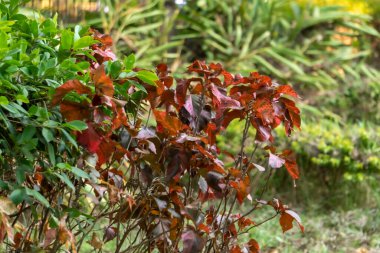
<point>344,231</point>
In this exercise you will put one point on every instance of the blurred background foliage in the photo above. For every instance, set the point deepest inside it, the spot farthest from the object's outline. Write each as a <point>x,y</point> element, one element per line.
<point>329,50</point>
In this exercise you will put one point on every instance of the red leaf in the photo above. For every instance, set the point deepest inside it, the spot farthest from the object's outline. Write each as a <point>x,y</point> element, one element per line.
<point>72,85</point>
<point>89,138</point>
<point>293,111</point>
<point>264,110</point>
<point>192,242</point>
<point>275,161</point>
<point>231,115</point>
<point>181,89</point>
<point>103,84</point>
<point>263,133</point>
<point>228,78</point>
<point>292,168</point>
<point>222,101</point>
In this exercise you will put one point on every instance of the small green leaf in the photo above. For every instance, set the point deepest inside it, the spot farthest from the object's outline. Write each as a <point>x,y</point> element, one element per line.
<point>18,196</point>
<point>115,69</point>
<point>22,98</point>
<point>129,62</point>
<point>4,100</point>
<point>80,173</point>
<point>47,134</point>
<point>83,42</point>
<point>69,138</point>
<point>51,153</point>
<point>76,125</point>
<point>147,76</point>
<point>66,180</point>
<point>37,196</point>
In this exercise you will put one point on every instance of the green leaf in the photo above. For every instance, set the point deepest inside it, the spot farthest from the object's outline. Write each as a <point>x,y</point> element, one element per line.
<point>83,42</point>
<point>22,168</point>
<point>37,196</point>
<point>67,38</point>
<point>22,98</point>
<point>18,196</point>
<point>66,180</point>
<point>147,76</point>
<point>115,68</point>
<point>4,100</point>
<point>76,125</point>
<point>69,138</point>
<point>27,134</point>
<point>51,153</point>
<point>80,173</point>
<point>47,134</point>
<point>129,61</point>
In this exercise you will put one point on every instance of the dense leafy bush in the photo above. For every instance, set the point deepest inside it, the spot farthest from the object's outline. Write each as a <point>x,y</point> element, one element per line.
<point>89,141</point>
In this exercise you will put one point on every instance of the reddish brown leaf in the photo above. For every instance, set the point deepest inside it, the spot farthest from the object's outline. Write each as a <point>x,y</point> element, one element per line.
<point>286,220</point>
<point>236,249</point>
<point>167,123</point>
<point>231,115</point>
<point>253,246</point>
<point>72,85</point>
<point>287,90</point>
<point>223,101</point>
<point>75,111</point>
<point>242,188</point>
<point>108,149</point>
<point>105,39</point>
<point>103,83</point>
<point>264,110</point>
<point>292,168</point>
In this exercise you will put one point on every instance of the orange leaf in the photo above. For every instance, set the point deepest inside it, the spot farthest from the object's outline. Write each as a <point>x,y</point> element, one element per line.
<point>287,90</point>
<point>253,246</point>
<point>286,220</point>
<point>103,84</point>
<point>167,123</point>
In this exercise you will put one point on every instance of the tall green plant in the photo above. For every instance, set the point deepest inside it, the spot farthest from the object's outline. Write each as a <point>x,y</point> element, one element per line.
<point>141,28</point>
